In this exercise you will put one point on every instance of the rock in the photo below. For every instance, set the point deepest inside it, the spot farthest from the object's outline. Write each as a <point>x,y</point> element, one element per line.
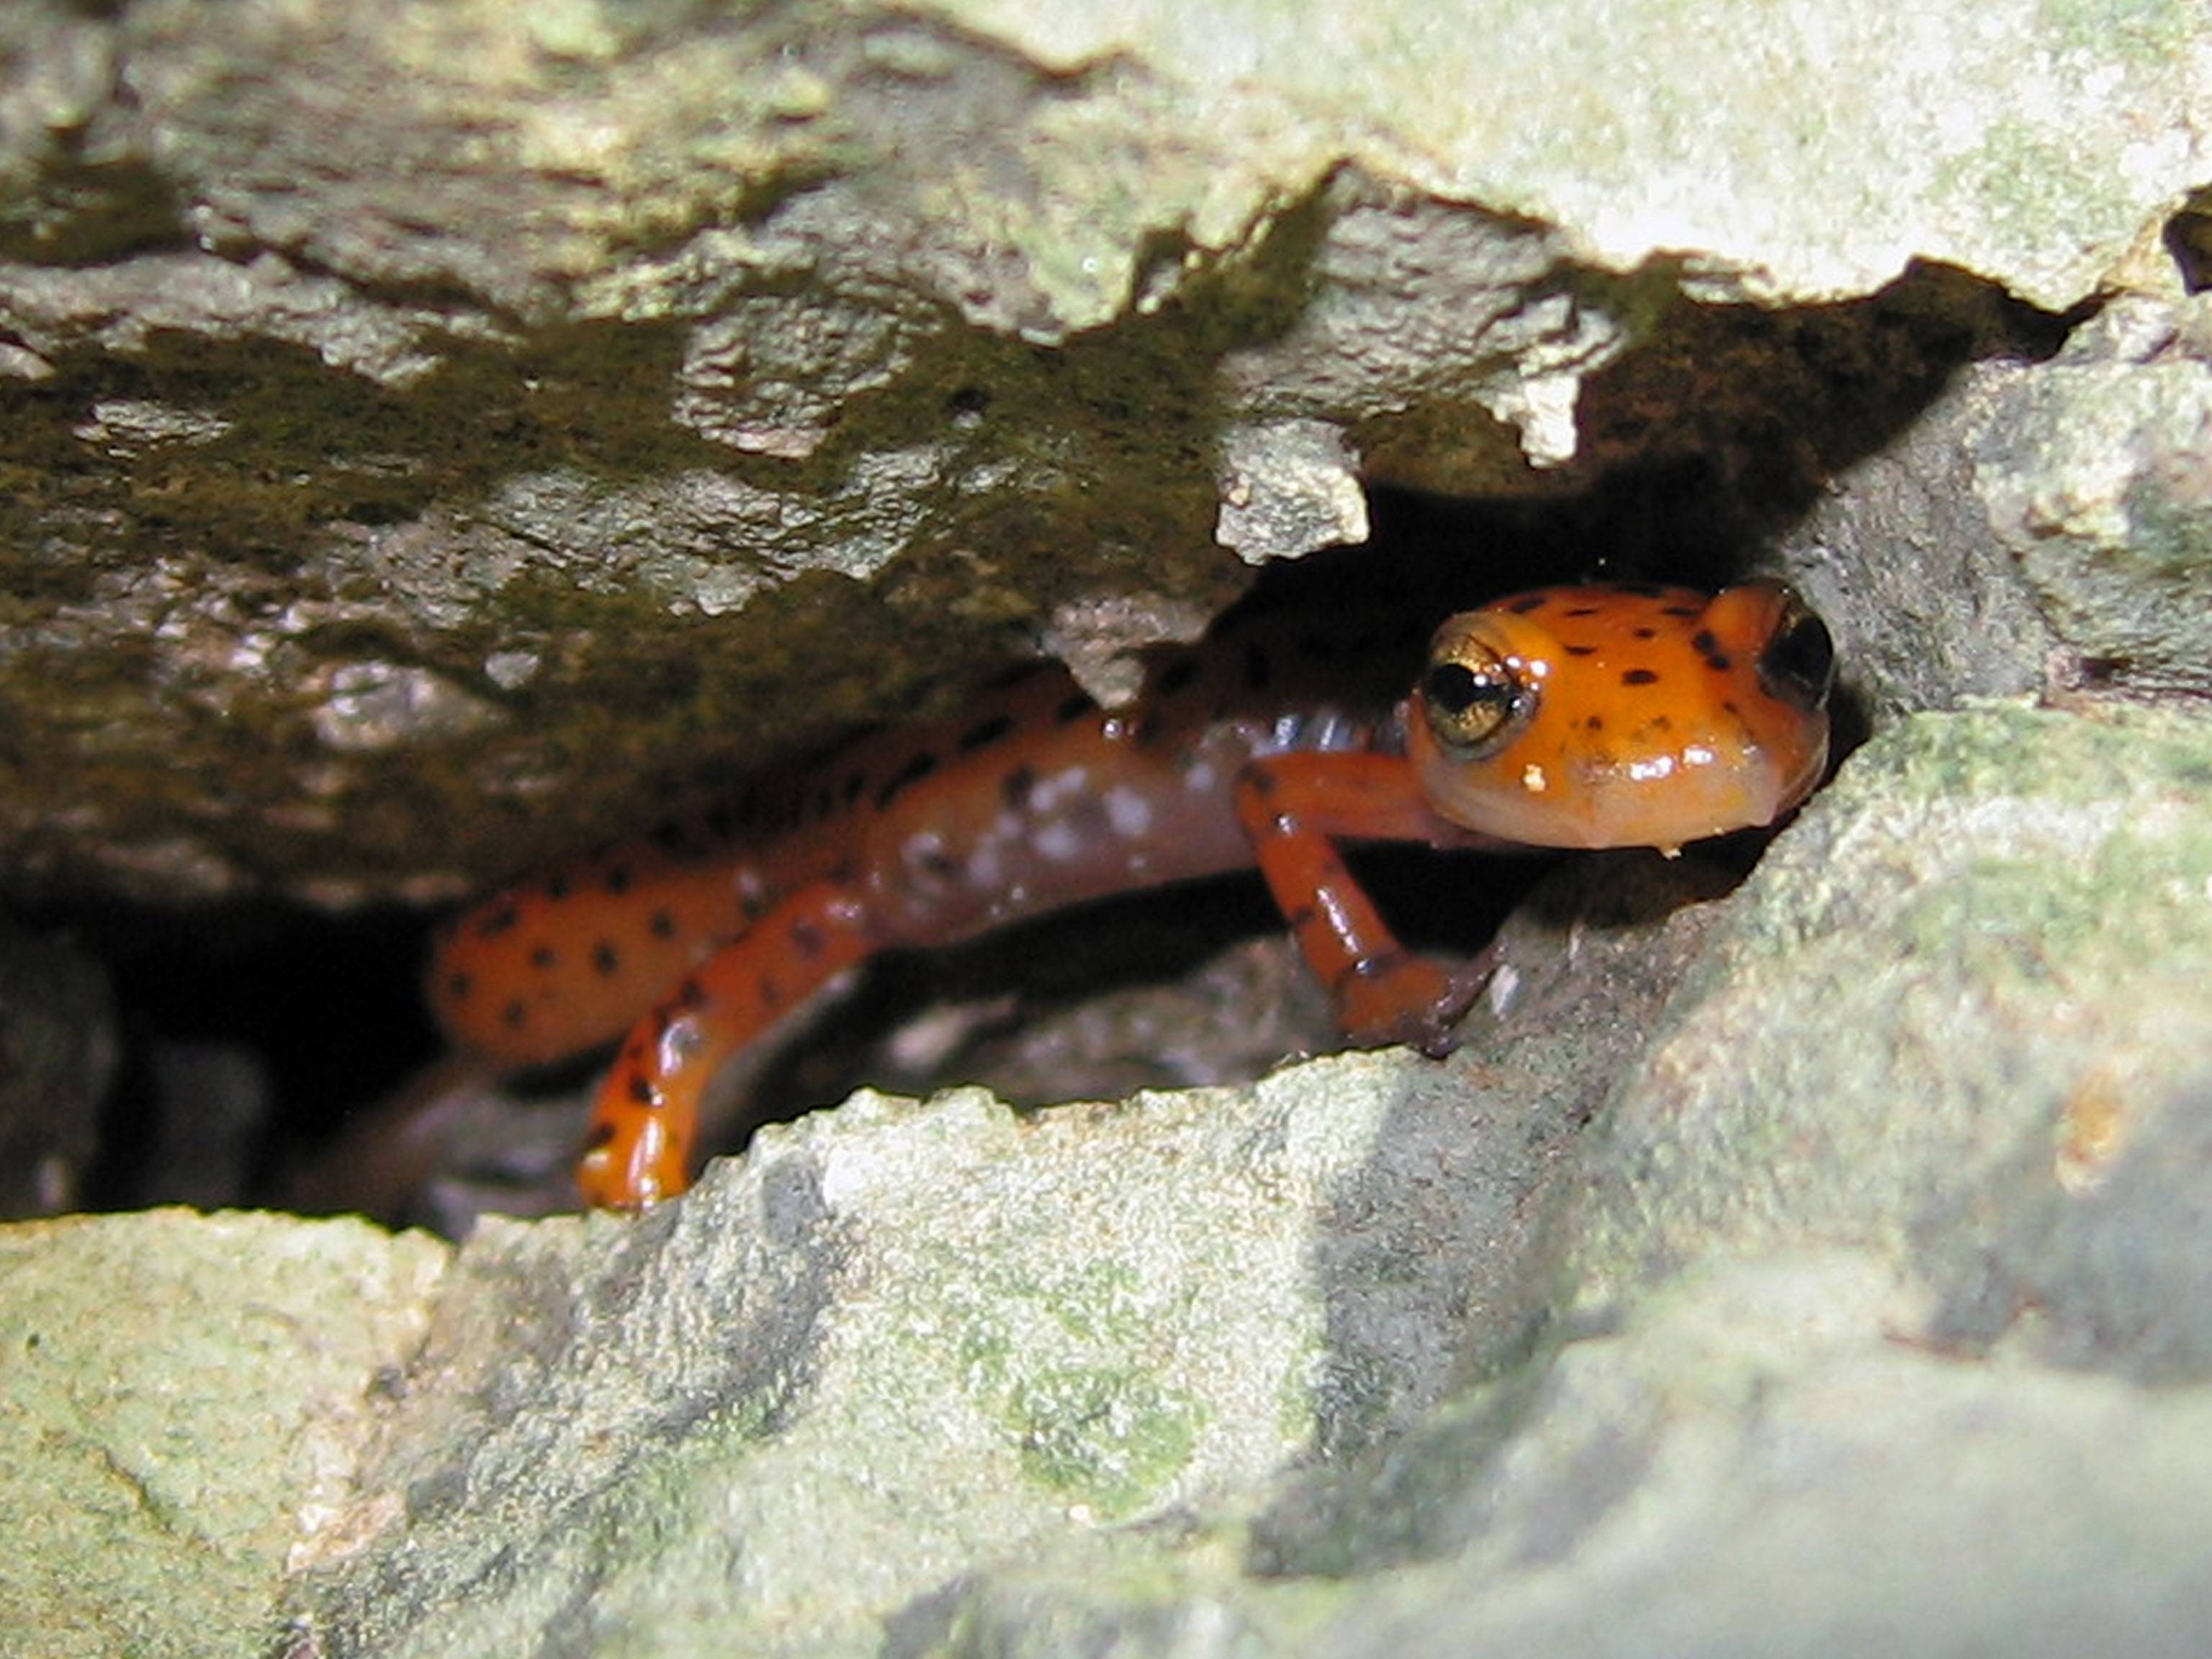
<point>757,376</point>
<point>2094,474</point>
<point>929,1336</point>
<point>2031,947</point>
<point>437,433</point>
<point>188,1397</point>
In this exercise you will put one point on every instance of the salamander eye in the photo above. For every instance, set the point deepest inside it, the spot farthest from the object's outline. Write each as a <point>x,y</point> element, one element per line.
<point>1472,698</point>
<point>1799,663</point>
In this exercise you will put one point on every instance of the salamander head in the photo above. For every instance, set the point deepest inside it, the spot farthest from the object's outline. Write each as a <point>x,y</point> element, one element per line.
<point>1623,716</point>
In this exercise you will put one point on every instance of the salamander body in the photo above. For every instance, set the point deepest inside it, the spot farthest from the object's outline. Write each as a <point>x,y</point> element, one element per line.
<point>1585,716</point>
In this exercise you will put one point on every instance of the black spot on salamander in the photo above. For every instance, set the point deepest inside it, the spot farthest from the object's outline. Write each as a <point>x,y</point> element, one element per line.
<point>1262,782</point>
<point>1709,649</point>
<point>1594,723</point>
<point>662,924</point>
<point>1639,677</point>
<point>1073,707</point>
<point>1679,611</point>
<point>690,994</point>
<point>754,904</point>
<point>514,1014</point>
<point>919,766</point>
<point>604,959</point>
<point>1647,633</point>
<point>641,1091</point>
<point>1176,675</point>
<point>541,955</point>
<point>1581,611</point>
<point>1015,788</point>
<point>1582,650</point>
<point>1259,667</point>
<point>603,1134</point>
<point>1728,707</point>
<point>618,878</point>
<point>771,993</point>
<point>984,733</point>
<point>457,987</point>
<point>1529,602</point>
<point>940,863</point>
<point>556,886</point>
<point>808,938</point>
<point>1301,918</point>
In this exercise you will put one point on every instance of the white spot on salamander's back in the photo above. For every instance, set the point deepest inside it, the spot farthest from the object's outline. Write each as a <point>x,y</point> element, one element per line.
<point>1128,811</point>
<point>1068,784</point>
<point>1059,841</point>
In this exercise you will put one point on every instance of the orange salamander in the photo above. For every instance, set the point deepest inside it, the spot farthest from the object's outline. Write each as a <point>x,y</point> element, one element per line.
<point>1566,717</point>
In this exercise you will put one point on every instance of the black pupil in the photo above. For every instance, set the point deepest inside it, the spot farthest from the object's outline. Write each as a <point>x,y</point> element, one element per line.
<point>1453,687</point>
<point>1799,664</point>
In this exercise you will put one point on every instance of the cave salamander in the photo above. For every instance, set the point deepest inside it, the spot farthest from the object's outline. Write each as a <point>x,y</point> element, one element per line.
<point>1591,716</point>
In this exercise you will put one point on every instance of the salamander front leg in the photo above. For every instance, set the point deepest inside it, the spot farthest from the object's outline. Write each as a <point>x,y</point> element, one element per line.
<point>1295,807</point>
<point>647,1113</point>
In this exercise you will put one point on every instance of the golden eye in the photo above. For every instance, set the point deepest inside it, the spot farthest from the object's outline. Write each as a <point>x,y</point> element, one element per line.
<point>1472,698</point>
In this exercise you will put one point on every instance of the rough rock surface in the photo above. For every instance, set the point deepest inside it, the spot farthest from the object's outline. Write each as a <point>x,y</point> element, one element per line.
<point>435,428</point>
<point>187,1396</point>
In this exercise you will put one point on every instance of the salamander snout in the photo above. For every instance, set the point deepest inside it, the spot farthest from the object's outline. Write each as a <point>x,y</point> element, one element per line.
<point>1631,716</point>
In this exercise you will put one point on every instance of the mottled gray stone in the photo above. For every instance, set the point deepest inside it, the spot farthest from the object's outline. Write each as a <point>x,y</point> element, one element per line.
<point>428,422</point>
<point>1929,606</point>
<point>188,1399</point>
<point>900,1339</point>
<point>1992,922</point>
<point>1291,487</point>
<point>2096,473</point>
<point>753,374</point>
